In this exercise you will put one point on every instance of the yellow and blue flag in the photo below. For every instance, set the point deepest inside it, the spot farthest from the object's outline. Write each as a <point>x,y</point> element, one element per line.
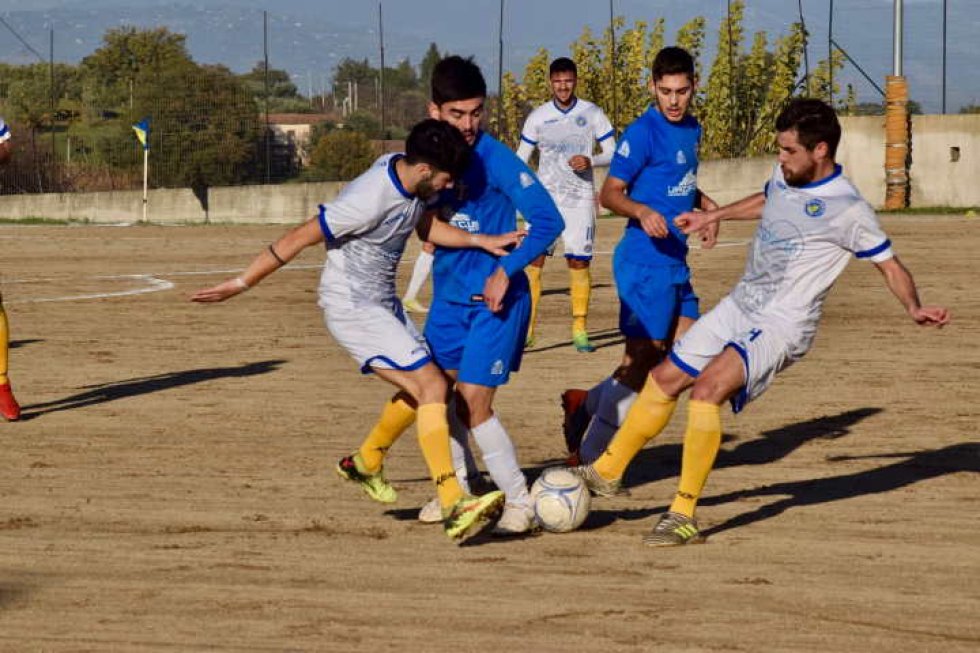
<point>142,129</point>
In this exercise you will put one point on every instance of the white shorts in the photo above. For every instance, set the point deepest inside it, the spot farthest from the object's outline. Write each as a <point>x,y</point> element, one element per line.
<point>376,336</point>
<point>767,347</point>
<point>578,237</point>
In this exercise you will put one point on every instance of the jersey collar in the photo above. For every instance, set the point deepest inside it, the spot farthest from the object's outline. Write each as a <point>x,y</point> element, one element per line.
<point>838,170</point>
<point>570,106</point>
<point>393,175</point>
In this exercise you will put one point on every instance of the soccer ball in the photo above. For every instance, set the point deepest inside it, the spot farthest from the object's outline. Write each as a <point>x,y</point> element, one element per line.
<point>561,500</point>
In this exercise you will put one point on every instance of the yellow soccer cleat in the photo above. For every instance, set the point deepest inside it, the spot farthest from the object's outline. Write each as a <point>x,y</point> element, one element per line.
<point>471,515</point>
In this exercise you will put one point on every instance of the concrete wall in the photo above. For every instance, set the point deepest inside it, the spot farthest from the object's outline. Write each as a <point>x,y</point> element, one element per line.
<point>937,180</point>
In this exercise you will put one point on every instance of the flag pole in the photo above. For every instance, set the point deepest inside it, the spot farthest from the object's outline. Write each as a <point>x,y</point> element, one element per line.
<point>146,158</point>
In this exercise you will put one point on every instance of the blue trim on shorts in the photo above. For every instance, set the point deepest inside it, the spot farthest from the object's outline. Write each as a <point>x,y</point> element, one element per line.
<point>366,368</point>
<point>327,235</point>
<point>868,253</point>
<point>684,367</point>
<point>742,397</point>
<point>576,257</point>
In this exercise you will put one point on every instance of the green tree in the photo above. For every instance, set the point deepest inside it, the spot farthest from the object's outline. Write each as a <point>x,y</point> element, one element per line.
<point>429,61</point>
<point>341,155</point>
<point>280,84</point>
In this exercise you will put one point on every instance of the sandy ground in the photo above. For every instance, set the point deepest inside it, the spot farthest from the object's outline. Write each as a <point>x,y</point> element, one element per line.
<point>171,485</point>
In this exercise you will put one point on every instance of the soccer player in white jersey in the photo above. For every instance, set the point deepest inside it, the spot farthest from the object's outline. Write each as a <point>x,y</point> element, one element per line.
<point>365,229</point>
<point>9,408</point>
<point>565,130</point>
<point>812,221</point>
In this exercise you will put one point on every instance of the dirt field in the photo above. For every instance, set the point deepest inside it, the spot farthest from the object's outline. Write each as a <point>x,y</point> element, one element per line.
<point>171,485</point>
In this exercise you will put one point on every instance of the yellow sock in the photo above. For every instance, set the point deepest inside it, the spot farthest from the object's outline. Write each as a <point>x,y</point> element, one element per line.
<point>534,280</point>
<point>645,420</point>
<point>3,346</point>
<point>580,285</point>
<point>701,443</point>
<point>434,441</point>
<point>396,416</point>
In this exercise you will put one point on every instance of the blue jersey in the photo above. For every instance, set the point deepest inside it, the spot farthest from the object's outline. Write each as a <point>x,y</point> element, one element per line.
<point>494,187</point>
<point>658,160</point>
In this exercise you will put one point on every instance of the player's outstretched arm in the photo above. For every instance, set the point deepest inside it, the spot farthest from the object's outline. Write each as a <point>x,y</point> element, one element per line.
<point>446,235</point>
<point>749,208</point>
<point>268,261</point>
<point>900,282</point>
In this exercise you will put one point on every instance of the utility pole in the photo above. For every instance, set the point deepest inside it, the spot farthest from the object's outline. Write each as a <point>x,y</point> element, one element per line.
<point>897,132</point>
<point>381,91</point>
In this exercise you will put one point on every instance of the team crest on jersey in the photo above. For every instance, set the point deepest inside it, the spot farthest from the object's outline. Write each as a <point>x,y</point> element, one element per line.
<point>681,159</point>
<point>815,207</point>
<point>526,180</point>
<point>580,121</point>
<point>624,149</point>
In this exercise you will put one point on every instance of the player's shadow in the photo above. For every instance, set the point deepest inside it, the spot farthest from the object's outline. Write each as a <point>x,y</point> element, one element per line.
<point>917,466</point>
<point>17,344</point>
<point>659,463</point>
<point>599,339</point>
<point>568,291</point>
<point>11,595</point>
<point>103,392</point>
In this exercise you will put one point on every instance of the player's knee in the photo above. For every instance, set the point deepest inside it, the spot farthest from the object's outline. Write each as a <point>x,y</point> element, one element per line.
<point>710,389</point>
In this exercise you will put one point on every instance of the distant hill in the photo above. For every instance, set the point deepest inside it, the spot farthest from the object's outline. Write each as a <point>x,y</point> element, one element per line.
<point>309,37</point>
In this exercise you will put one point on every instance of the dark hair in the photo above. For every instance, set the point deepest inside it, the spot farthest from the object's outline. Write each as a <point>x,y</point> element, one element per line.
<point>673,60</point>
<point>562,65</point>
<point>455,78</point>
<point>440,145</point>
<point>814,121</point>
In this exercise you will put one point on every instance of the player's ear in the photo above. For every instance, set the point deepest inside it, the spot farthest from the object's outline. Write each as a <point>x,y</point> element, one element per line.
<point>821,150</point>
<point>434,111</point>
<point>652,87</point>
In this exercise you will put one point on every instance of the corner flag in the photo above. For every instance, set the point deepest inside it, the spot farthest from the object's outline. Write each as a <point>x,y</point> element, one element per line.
<point>142,129</point>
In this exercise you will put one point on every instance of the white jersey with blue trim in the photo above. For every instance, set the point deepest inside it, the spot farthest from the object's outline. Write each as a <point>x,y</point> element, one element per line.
<point>559,135</point>
<point>4,131</point>
<point>803,242</point>
<point>365,229</point>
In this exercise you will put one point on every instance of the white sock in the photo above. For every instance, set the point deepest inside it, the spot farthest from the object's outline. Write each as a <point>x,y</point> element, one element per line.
<point>613,406</point>
<point>423,265</point>
<point>459,446</point>
<point>500,459</point>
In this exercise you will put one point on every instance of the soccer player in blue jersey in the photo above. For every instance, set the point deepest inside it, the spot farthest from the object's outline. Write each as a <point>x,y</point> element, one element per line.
<point>813,221</point>
<point>365,229</point>
<point>481,303</point>
<point>652,179</point>
<point>9,408</point>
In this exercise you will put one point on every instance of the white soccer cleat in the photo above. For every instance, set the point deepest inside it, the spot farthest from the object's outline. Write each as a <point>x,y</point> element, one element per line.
<point>431,513</point>
<point>515,520</point>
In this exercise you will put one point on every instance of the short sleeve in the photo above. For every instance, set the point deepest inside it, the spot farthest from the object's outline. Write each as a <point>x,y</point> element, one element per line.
<point>866,238</point>
<point>529,134</point>
<point>4,131</point>
<point>355,211</point>
<point>632,153</point>
<point>603,128</point>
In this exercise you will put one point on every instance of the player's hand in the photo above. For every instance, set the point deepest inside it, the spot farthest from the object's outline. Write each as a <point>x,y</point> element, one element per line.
<point>580,163</point>
<point>495,288</point>
<point>709,235</point>
<point>693,221</point>
<point>936,316</point>
<point>221,292</point>
<point>654,224</point>
<point>501,244</point>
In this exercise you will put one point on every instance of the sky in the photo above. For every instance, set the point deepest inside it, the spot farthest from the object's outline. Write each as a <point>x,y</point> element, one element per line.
<point>309,37</point>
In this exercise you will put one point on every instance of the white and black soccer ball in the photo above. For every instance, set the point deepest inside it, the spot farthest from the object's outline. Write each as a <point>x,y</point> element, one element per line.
<point>561,500</point>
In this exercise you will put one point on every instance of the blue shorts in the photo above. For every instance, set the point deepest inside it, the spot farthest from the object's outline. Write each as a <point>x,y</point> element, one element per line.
<point>484,347</point>
<point>651,298</point>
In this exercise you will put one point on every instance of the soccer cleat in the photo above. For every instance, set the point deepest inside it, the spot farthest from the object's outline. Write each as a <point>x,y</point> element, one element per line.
<point>598,485</point>
<point>374,485</point>
<point>471,514</point>
<point>580,340</point>
<point>9,408</point>
<point>414,306</point>
<point>674,529</point>
<point>576,418</point>
<point>431,513</point>
<point>515,520</point>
